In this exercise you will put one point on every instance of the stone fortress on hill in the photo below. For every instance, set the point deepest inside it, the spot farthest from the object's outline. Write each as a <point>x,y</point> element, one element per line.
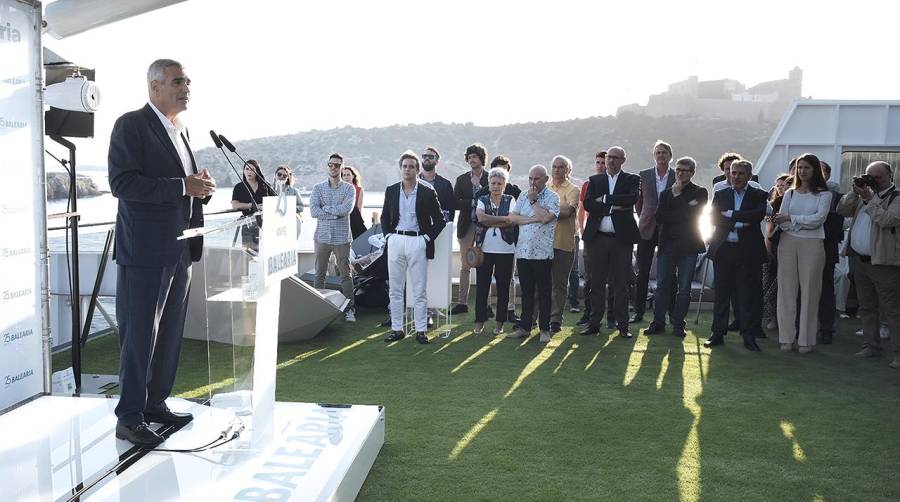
<point>723,99</point>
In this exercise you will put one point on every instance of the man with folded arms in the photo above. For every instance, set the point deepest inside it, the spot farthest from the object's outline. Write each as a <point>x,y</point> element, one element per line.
<point>611,233</point>
<point>536,212</point>
<point>738,252</point>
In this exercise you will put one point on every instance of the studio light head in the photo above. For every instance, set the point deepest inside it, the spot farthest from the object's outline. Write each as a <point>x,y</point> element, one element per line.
<point>76,93</point>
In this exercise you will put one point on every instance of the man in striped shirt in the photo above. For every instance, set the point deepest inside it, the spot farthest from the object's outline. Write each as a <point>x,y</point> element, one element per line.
<point>330,203</point>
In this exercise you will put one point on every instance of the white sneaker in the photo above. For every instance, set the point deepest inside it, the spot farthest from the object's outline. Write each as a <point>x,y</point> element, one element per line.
<point>350,315</point>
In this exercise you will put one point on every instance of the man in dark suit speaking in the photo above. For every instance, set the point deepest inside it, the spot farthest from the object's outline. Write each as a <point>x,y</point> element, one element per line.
<point>738,252</point>
<point>411,220</point>
<point>153,175</point>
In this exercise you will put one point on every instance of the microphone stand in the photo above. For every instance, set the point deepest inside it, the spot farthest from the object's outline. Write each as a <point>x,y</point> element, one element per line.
<point>254,207</point>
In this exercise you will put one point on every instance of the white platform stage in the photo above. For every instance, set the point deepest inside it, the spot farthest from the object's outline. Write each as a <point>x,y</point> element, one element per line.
<point>64,448</point>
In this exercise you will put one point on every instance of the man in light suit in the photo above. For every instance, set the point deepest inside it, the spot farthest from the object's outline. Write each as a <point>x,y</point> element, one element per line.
<point>411,220</point>
<point>610,234</point>
<point>153,174</point>
<point>654,181</point>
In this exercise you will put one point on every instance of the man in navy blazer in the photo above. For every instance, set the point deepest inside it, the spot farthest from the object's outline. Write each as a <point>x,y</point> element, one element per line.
<point>153,175</point>
<point>738,252</point>
<point>610,234</point>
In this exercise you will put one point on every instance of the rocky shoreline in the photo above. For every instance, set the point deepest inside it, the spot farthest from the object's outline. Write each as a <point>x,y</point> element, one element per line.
<point>58,186</point>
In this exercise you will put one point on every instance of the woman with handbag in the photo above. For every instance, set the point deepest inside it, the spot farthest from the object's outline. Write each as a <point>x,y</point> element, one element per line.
<point>495,241</point>
<point>770,268</point>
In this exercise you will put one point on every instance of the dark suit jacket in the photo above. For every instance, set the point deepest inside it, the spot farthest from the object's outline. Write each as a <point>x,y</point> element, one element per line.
<point>752,212</point>
<point>834,230</point>
<point>648,201</point>
<point>465,193</point>
<point>444,190</point>
<point>428,213</point>
<point>679,220</point>
<point>626,193</point>
<point>146,175</point>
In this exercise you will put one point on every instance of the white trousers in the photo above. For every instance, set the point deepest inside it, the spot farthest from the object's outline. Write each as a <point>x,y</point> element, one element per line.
<point>407,261</point>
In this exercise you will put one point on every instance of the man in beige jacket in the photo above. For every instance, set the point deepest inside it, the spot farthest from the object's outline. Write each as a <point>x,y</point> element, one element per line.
<point>874,254</point>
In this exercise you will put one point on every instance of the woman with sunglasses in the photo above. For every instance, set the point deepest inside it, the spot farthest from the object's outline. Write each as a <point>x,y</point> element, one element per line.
<point>284,183</point>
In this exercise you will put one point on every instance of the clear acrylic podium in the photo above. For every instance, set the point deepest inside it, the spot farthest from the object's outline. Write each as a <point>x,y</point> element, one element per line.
<point>242,288</point>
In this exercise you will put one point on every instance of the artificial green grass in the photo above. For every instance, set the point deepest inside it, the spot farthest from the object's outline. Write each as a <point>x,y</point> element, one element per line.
<point>586,418</point>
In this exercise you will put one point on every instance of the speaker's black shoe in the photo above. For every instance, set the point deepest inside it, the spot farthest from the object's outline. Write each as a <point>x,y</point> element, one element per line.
<point>751,345</point>
<point>459,308</point>
<point>511,316</point>
<point>679,332</point>
<point>555,327</point>
<point>714,340</point>
<point>585,319</point>
<point>395,336</point>
<point>655,328</point>
<point>138,435</point>
<point>590,330</point>
<point>421,337</point>
<point>168,417</point>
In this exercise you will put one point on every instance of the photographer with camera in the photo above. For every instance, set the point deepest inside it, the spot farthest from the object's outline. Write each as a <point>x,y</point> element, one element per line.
<point>874,255</point>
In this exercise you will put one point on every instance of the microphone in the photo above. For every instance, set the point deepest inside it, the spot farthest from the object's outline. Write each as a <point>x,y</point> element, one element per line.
<point>215,138</point>
<point>218,143</point>
<point>233,150</point>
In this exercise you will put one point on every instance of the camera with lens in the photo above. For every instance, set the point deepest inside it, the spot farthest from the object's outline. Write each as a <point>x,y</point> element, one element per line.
<point>866,180</point>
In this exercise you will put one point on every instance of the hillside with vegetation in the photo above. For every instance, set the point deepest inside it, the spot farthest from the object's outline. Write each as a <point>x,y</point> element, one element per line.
<point>375,151</point>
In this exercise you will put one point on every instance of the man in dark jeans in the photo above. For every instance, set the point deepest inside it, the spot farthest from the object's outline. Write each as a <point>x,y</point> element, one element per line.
<point>680,241</point>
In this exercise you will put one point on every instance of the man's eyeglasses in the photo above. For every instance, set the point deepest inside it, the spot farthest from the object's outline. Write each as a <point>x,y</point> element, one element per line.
<point>334,164</point>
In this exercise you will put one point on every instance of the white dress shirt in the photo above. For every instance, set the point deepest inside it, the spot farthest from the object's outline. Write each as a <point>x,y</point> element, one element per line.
<point>175,130</point>
<point>606,223</point>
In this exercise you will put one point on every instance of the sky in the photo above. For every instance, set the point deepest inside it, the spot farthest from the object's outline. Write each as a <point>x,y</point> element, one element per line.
<point>262,68</point>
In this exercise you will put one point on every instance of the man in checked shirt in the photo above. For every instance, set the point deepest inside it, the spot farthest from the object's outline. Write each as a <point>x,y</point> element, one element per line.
<point>330,203</point>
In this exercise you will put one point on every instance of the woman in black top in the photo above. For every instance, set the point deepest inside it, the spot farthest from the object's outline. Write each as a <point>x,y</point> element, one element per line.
<point>240,199</point>
<point>357,224</point>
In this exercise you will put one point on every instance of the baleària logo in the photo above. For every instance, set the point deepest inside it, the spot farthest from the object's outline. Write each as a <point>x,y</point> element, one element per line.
<point>8,33</point>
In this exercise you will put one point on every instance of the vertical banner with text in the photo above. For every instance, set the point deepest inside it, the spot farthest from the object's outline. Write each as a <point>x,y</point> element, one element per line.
<point>21,136</point>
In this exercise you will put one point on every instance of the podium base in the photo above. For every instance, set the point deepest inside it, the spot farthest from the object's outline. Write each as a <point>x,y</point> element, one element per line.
<point>58,447</point>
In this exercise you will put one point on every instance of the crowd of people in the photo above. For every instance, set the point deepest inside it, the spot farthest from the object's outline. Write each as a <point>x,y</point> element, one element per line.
<point>773,252</point>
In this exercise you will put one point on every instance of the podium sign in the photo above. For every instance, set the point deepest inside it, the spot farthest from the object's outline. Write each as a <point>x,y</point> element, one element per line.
<point>243,297</point>
<point>22,369</point>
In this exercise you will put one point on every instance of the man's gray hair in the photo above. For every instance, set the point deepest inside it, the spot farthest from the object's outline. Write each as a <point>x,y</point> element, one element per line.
<point>687,161</point>
<point>563,158</point>
<point>157,69</point>
<point>499,172</point>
